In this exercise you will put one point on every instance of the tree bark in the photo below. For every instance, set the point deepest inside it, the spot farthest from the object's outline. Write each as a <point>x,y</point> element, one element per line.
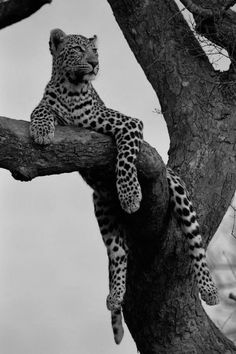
<point>219,26</point>
<point>162,307</point>
<point>13,11</point>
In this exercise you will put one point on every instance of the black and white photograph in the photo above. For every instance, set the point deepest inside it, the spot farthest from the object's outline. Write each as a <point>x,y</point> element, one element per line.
<point>117,176</point>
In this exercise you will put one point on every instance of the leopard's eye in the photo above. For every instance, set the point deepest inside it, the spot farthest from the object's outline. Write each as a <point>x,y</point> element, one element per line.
<point>95,50</point>
<point>78,47</point>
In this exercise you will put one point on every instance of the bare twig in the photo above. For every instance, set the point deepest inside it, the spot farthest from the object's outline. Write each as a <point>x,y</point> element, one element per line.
<point>227,320</point>
<point>230,265</point>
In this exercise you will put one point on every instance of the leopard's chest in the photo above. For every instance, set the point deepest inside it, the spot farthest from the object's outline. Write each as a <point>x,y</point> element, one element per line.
<point>71,109</point>
<point>80,110</point>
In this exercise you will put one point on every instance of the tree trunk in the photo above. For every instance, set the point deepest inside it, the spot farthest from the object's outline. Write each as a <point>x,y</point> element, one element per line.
<point>162,307</point>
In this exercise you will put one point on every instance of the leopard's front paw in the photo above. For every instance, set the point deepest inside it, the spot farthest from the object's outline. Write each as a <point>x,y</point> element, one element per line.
<point>130,196</point>
<point>42,135</point>
<point>210,295</point>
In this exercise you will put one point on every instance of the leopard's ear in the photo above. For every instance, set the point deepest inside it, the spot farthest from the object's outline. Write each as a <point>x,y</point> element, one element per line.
<point>56,38</point>
<point>93,39</point>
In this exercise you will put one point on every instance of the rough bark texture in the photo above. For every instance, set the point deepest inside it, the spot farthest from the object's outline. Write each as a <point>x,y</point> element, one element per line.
<point>207,10</point>
<point>73,149</point>
<point>162,308</point>
<point>12,11</point>
<point>219,27</point>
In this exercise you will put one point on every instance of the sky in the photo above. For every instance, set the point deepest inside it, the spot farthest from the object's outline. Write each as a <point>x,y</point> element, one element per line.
<point>53,264</point>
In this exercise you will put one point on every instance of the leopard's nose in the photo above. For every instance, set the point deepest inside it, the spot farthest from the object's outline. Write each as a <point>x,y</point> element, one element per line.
<point>94,63</point>
<point>92,60</point>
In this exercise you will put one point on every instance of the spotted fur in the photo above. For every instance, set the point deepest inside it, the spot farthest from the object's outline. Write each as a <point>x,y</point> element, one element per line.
<point>113,235</point>
<point>70,99</point>
<point>185,214</point>
<point>115,240</point>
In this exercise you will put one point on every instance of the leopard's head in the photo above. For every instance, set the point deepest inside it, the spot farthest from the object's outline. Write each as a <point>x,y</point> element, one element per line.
<point>75,57</point>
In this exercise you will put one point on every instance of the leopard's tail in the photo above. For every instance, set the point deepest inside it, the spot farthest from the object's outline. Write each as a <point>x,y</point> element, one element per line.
<point>185,214</point>
<point>117,326</point>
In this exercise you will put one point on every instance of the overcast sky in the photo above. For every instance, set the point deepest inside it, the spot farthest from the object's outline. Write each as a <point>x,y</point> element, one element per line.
<point>53,265</point>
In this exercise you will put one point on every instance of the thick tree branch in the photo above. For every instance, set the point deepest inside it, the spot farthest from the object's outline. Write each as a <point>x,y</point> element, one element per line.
<point>197,9</point>
<point>217,24</point>
<point>72,150</point>
<point>228,4</point>
<point>207,12</point>
<point>220,30</point>
<point>12,11</point>
<point>168,52</point>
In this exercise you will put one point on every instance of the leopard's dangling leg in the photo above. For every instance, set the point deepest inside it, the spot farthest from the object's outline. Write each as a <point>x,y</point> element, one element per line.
<point>114,240</point>
<point>128,135</point>
<point>184,212</point>
<point>128,140</point>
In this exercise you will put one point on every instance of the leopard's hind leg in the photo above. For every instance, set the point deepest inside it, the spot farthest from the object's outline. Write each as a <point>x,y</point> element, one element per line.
<point>114,239</point>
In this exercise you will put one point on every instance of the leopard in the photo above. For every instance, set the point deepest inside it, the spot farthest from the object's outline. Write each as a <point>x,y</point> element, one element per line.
<point>70,99</point>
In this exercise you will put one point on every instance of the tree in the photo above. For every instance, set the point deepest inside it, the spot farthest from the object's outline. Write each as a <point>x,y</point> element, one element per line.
<point>162,308</point>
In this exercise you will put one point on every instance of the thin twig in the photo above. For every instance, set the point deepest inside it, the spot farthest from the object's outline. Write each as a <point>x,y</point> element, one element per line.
<point>230,265</point>
<point>227,319</point>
